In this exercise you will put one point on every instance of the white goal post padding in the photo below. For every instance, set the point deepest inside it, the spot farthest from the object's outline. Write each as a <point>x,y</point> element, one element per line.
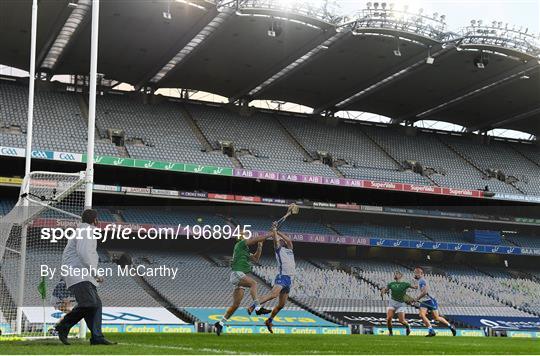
<point>46,200</point>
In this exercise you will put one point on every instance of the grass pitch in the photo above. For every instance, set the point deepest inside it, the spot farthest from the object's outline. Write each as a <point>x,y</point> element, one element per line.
<point>278,344</point>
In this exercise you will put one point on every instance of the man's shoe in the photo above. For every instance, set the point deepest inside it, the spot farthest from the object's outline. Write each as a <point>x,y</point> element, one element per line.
<point>269,325</point>
<point>431,334</point>
<point>62,334</point>
<point>219,328</point>
<point>102,342</point>
<point>453,330</point>
<point>263,311</point>
<point>408,331</point>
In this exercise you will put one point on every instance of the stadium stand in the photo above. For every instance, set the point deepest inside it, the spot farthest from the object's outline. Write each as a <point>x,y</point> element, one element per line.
<point>274,154</point>
<point>391,232</point>
<point>448,169</point>
<point>163,132</point>
<point>497,156</point>
<point>170,217</point>
<point>156,128</point>
<point>501,286</point>
<point>523,240</point>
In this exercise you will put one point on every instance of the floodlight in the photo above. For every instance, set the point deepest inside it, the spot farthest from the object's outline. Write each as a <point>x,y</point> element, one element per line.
<point>397,53</point>
<point>167,15</point>
<point>482,61</point>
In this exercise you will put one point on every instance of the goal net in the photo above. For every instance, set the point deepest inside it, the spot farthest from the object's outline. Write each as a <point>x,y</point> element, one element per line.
<point>48,200</point>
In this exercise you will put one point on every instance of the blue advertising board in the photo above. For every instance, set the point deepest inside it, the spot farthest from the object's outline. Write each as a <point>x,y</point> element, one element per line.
<point>447,246</point>
<point>499,322</point>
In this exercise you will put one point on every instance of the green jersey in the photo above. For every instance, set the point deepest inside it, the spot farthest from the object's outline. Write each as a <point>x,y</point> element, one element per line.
<point>241,261</point>
<point>398,290</point>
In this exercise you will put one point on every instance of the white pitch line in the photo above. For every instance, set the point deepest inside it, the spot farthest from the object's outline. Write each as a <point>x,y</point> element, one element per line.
<point>186,348</point>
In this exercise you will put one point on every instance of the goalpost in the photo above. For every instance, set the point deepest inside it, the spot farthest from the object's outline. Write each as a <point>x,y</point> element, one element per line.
<point>48,200</point>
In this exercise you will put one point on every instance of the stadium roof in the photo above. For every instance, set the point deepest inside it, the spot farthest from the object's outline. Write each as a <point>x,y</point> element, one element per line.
<point>262,49</point>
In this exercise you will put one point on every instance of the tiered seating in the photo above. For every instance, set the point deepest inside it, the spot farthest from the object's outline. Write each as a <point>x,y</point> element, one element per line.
<point>442,235</point>
<point>519,293</point>
<point>430,152</point>
<point>170,217</point>
<point>384,175</point>
<point>58,124</point>
<point>347,143</point>
<point>105,215</point>
<point>113,291</point>
<point>369,152</point>
<point>305,226</point>
<point>270,149</point>
<point>6,206</point>
<point>531,152</point>
<point>199,284</point>
<point>500,156</point>
<point>322,289</point>
<point>379,231</point>
<point>162,127</point>
<point>296,225</point>
<point>524,240</point>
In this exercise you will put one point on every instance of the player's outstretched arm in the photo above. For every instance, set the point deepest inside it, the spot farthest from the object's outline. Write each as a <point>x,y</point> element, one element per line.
<point>256,239</point>
<point>255,257</point>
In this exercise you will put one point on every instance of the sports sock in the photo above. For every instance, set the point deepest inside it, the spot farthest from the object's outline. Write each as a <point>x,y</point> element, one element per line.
<point>431,329</point>
<point>270,320</point>
<point>390,330</point>
<point>222,321</point>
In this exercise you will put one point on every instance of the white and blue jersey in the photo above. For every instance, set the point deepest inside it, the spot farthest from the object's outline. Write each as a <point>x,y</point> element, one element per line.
<point>427,301</point>
<point>286,268</point>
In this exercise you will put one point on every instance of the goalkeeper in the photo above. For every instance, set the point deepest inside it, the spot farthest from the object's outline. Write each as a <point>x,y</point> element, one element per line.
<point>397,302</point>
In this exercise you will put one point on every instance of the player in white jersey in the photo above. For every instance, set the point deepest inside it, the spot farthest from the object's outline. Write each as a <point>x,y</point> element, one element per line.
<point>283,250</point>
<point>426,302</point>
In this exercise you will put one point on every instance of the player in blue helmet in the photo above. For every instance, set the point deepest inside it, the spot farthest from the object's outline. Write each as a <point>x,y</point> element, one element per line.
<point>283,250</point>
<point>427,303</point>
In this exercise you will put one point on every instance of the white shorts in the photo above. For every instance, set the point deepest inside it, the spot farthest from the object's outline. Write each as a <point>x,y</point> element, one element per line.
<point>235,277</point>
<point>398,307</point>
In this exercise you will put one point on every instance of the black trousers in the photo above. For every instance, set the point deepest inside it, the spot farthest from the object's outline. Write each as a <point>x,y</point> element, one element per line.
<point>88,308</point>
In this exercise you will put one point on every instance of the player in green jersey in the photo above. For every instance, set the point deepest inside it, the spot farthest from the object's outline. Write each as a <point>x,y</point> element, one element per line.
<point>397,302</point>
<point>241,265</point>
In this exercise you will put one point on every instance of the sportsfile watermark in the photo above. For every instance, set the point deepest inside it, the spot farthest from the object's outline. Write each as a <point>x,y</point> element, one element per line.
<point>127,232</point>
